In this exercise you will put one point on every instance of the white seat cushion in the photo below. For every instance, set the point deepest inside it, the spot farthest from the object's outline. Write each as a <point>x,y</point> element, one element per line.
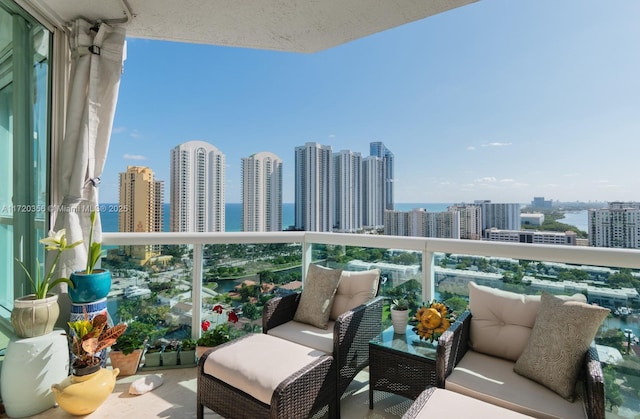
<point>493,380</point>
<point>259,363</point>
<point>448,404</point>
<point>307,335</point>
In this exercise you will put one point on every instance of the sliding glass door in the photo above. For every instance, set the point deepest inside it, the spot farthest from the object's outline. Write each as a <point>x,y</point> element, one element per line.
<point>25,48</point>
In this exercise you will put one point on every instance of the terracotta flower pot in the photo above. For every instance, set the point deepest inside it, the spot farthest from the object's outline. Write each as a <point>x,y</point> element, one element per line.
<point>200,350</point>
<point>33,317</point>
<point>127,364</point>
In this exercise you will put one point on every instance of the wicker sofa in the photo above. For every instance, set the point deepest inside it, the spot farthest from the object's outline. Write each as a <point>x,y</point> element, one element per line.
<point>346,338</point>
<point>465,369</point>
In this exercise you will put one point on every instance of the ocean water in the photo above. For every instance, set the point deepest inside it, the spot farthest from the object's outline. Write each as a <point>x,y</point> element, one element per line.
<point>233,217</point>
<point>234,214</point>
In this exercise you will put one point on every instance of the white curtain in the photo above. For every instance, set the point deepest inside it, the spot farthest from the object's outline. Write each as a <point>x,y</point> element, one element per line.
<point>97,51</point>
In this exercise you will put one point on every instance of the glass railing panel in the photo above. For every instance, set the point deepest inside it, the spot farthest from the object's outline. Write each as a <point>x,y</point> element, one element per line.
<point>241,278</point>
<point>151,291</point>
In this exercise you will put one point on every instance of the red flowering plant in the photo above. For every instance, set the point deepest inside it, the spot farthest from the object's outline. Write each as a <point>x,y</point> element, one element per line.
<point>214,335</point>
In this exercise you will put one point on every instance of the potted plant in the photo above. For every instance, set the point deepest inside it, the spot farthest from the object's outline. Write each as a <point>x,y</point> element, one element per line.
<point>89,385</point>
<point>153,355</point>
<point>91,284</point>
<point>400,315</point>
<point>214,336</point>
<point>87,339</point>
<point>187,353</point>
<point>36,314</point>
<point>126,353</point>
<point>170,353</point>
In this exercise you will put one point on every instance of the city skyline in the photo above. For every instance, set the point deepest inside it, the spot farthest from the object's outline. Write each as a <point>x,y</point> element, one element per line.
<point>497,100</point>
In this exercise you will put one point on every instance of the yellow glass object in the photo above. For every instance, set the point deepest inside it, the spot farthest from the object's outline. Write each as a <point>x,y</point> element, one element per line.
<point>81,395</point>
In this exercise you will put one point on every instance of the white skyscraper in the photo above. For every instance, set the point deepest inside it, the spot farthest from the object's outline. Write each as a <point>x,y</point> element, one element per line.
<point>313,187</point>
<point>470,220</point>
<point>373,192</point>
<point>347,170</point>
<point>197,188</point>
<point>262,192</point>
<point>616,226</point>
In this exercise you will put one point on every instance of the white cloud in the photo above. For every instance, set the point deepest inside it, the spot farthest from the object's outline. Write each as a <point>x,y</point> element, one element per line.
<point>471,148</point>
<point>507,181</point>
<point>134,157</point>
<point>118,130</point>
<point>496,144</point>
<point>486,179</point>
<point>135,134</point>
<point>332,136</point>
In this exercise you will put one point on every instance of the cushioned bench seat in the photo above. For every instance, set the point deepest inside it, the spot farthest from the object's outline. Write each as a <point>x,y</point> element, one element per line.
<point>264,376</point>
<point>493,380</point>
<point>439,403</point>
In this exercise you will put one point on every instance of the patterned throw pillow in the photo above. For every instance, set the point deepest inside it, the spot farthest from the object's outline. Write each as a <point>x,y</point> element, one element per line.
<point>560,338</point>
<point>317,296</point>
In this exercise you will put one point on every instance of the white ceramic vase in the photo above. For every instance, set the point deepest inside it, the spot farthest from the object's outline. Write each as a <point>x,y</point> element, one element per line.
<point>399,319</point>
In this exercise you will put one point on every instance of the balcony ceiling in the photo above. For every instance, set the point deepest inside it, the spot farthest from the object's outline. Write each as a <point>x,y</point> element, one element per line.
<point>282,25</point>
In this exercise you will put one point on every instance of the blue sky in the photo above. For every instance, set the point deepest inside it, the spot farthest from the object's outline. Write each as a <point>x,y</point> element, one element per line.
<point>500,100</point>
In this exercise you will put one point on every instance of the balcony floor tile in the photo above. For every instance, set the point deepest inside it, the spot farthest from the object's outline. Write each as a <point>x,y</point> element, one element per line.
<point>176,398</point>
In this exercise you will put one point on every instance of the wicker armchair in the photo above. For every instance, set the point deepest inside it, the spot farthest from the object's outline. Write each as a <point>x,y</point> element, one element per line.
<point>454,344</point>
<point>352,332</point>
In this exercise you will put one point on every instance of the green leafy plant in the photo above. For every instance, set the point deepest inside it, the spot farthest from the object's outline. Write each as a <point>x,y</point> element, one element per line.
<point>94,251</point>
<point>218,334</point>
<point>135,337</point>
<point>188,345</point>
<point>56,241</point>
<point>400,304</point>
<point>89,337</point>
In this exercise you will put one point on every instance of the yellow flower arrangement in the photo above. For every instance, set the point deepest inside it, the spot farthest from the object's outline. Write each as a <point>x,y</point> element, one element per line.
<point>432,320</point>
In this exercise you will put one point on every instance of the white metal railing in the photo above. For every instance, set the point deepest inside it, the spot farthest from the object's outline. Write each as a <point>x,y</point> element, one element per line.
<point>614,258</point>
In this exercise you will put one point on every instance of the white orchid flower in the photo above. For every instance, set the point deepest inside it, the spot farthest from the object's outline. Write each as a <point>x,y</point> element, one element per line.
<point>56,240</point>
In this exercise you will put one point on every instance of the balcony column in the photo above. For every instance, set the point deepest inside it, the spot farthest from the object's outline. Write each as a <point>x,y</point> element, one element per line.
<point>307,253</point>
<point>196,290</point>
<point>428,280</point>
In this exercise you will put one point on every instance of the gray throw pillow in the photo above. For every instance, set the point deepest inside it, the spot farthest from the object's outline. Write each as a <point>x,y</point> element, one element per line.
<point>317,296</point>
<point>560,338</point>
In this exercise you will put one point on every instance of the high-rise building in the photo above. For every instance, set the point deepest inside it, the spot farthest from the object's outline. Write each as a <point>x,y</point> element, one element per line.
<point>373,192</point>
<point>314,187</point>
<point>261,192</point>
<point>347,171</point>
<point>500,216</point>
<point>197,188</point>
<point>540,202</point>
<point>141,210</point>
<point>616,226</point>
<point>420,223</point>
<point>396,223</point>
<point>379,150</point>
<point>470,220</point>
